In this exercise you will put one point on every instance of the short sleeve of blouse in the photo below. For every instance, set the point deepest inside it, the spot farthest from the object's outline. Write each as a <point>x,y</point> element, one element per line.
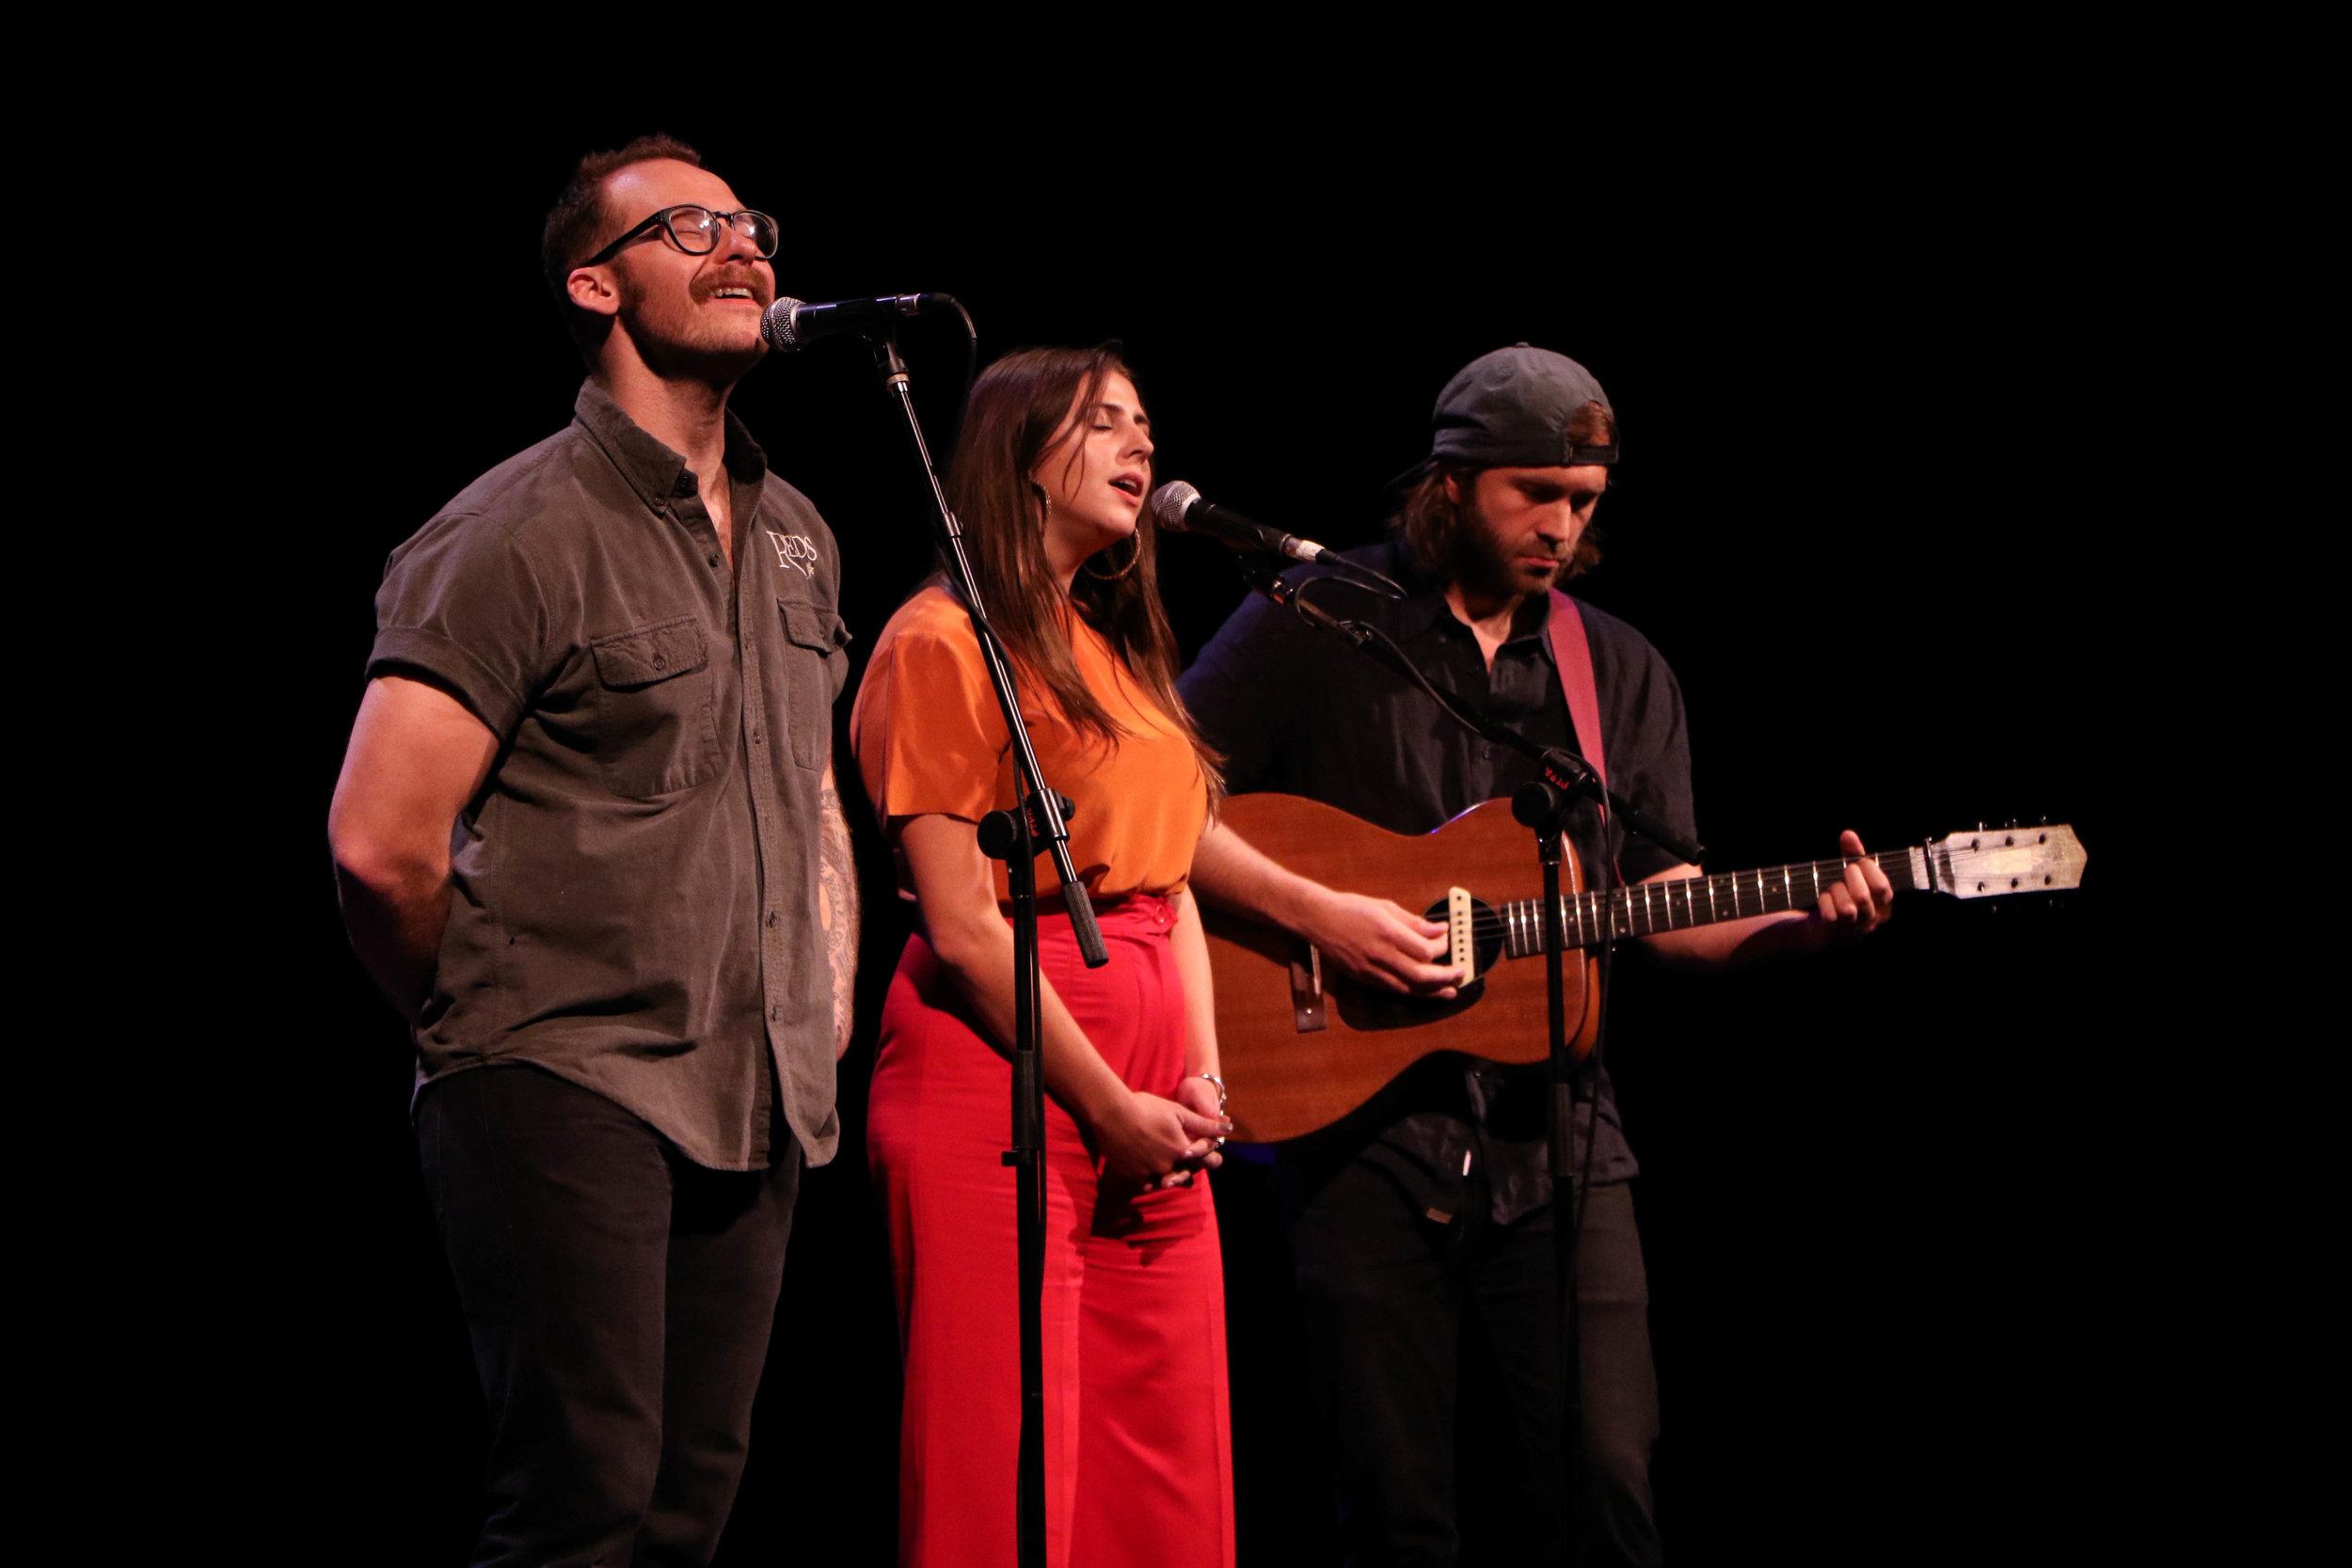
<point>926,730</point>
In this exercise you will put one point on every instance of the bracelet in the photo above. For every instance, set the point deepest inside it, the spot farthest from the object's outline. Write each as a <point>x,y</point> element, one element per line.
<point>1220,1089</point>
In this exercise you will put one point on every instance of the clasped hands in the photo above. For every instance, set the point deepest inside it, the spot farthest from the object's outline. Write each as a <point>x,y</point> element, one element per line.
<point>1155,1141</point>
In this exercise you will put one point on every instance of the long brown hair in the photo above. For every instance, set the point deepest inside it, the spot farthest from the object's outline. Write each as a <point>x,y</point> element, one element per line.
<point>1021,407</point>
<point>1432,523</point>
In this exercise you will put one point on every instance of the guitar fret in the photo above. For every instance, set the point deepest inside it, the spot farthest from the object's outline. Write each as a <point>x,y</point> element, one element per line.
<point>1645,909</point>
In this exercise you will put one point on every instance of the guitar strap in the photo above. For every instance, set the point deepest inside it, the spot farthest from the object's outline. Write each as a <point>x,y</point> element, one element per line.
<point>1572,654</point>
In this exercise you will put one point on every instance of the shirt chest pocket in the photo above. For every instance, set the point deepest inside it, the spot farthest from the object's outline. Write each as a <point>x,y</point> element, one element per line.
<point>817,664</point>
<point>657,729</point>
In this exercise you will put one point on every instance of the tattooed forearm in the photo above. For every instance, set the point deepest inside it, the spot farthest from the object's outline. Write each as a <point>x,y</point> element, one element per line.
<point>836,906</point>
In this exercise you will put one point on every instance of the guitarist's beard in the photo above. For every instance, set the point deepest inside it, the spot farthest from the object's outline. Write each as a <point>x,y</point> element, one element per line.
<point>1478,565</point>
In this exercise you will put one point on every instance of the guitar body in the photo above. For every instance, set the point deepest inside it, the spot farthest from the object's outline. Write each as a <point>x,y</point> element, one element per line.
<point>1301,1044</point>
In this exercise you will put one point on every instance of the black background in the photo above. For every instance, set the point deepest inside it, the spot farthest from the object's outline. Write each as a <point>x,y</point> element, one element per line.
<point>1863,508</point>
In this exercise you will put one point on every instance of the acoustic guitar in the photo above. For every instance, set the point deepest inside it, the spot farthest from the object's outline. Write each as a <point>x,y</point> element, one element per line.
<point>1301,1046</point>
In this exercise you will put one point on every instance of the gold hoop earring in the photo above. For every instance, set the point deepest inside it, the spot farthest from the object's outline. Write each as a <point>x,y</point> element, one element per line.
<point>1135,554</point>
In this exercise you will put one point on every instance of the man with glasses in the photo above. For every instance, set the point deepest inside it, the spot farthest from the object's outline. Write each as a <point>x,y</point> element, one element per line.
<point>588,841</point>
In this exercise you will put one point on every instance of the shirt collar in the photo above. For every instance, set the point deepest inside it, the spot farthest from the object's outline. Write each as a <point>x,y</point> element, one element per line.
<point>1427,611</point>
<point>652,469</point>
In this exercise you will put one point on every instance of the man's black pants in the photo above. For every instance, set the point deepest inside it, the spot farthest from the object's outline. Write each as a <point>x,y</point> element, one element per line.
<point>620,1298</point>
<point>1387,1296</point>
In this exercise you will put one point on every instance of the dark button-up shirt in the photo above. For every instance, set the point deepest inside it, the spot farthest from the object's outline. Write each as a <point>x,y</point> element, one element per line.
<point>634,902</point>
<point>1298,711</point>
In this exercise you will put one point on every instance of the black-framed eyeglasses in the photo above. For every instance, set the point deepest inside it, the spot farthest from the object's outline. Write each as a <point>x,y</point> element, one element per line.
<point>695,231</point>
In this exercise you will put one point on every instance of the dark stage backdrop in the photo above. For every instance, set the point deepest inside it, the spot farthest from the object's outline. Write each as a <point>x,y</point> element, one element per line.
<point>1858,511</point>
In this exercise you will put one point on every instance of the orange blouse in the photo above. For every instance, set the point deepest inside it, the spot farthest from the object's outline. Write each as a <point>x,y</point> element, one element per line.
<point>928,739</point>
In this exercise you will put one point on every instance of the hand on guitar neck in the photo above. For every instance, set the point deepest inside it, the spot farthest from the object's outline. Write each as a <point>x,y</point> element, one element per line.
<point>1847,910</point>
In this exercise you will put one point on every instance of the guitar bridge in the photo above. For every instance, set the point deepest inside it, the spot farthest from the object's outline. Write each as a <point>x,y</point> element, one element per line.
<point>1308,1012</point>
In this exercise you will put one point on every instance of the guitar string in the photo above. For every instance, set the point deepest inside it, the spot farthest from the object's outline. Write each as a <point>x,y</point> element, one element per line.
<point>1487,922</point>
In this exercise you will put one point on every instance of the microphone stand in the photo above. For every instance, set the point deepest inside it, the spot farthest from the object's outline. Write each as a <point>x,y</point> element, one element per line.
<point>1544,805</point>
<point>1013,837</point>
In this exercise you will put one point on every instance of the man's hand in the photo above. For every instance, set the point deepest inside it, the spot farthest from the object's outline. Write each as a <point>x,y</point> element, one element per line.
<point>1861,901</point>
<point>1384,945</point>
<point>1858,902</point>
<point>1371,940</point>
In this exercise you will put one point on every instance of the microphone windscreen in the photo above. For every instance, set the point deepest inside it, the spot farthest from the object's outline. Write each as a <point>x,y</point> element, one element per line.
<point>1170,501</point>
<point>776,326</point>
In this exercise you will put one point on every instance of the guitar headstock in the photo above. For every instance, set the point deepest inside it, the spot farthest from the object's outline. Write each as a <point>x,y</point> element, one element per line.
<point>1989,861</point>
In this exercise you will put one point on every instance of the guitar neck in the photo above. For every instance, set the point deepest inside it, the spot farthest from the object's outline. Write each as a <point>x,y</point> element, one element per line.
<point>1647,907</point>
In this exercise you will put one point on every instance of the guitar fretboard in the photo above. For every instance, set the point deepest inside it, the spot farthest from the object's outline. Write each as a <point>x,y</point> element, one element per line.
<point>1645,908</point>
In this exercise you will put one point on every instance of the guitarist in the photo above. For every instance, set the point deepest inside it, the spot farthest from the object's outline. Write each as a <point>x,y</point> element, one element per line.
<point>1429,1212</point>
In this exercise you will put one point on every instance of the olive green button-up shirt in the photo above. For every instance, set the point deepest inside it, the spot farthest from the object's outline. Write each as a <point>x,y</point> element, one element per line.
<point>634,899</point>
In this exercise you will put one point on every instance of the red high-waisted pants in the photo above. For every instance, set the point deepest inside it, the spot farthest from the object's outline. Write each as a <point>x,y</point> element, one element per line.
<point>1139,1454</point>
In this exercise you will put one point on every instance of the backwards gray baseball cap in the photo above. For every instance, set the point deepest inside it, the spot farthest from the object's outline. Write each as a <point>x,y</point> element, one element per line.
<point>1511,409</point>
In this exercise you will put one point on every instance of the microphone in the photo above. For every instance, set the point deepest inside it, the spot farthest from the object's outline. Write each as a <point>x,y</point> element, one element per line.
<point>791,324</point>
<point>1181,509</point>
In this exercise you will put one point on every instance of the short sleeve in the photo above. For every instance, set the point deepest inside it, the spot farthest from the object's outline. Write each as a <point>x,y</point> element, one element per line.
<point>461,605</point>
<point>926,729</point>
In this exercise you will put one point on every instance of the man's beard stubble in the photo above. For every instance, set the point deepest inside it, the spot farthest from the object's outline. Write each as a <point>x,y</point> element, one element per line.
<point>1478,565</point>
